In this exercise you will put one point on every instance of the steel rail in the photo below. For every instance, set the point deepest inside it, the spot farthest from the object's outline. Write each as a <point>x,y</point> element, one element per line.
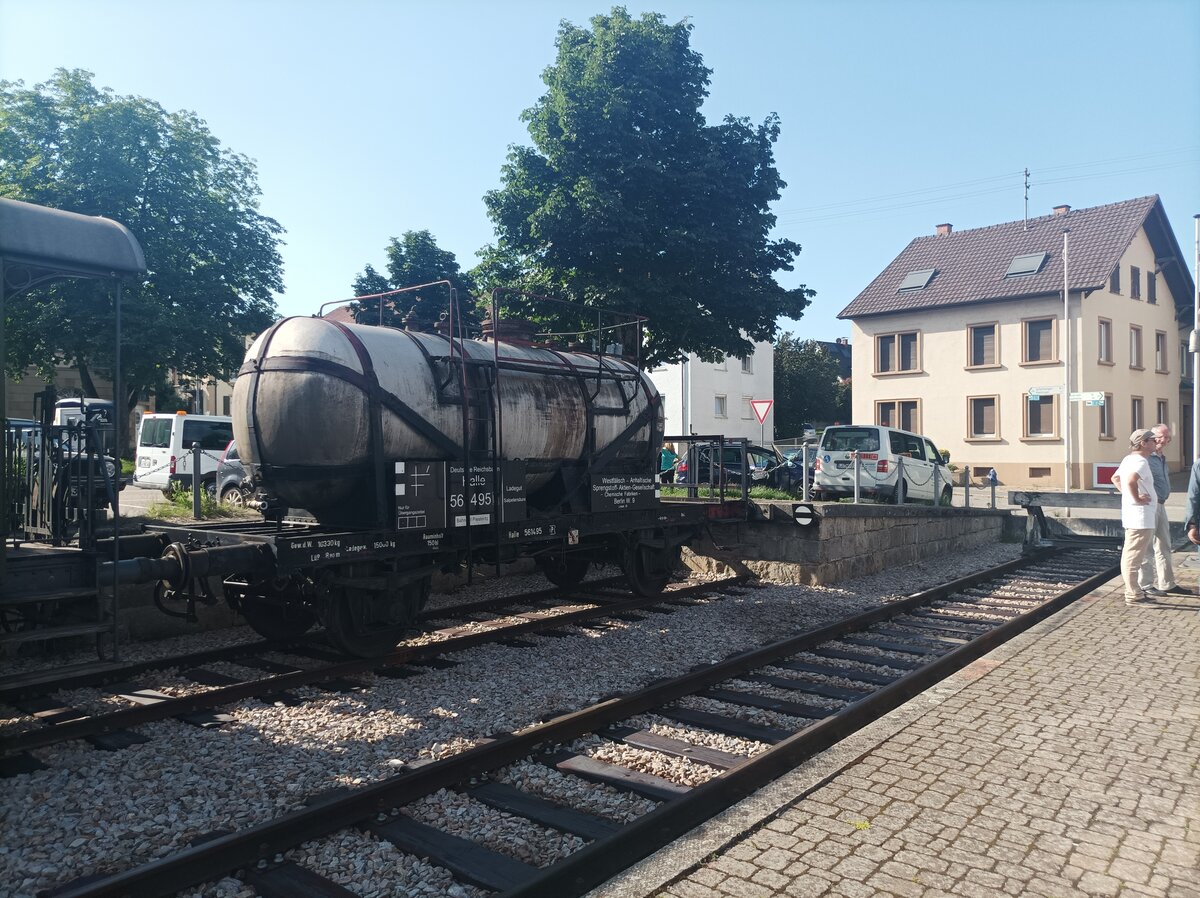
<point>599,861</point>
<point>203,701</point>
<point>44,682</point>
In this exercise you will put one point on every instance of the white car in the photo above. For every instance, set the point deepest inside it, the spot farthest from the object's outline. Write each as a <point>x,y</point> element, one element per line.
<point>164,450</point>
<point>879,454</point>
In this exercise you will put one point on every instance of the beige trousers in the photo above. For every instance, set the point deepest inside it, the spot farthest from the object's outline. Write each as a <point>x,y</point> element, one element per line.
<point>1158,570</point>
<point>1137,547</point>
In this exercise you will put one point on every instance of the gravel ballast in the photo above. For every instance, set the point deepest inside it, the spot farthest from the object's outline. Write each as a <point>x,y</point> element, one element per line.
<point>94,811</point>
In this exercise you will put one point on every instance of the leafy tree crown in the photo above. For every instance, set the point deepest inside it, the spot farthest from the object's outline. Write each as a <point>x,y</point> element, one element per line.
<point>629,200</point>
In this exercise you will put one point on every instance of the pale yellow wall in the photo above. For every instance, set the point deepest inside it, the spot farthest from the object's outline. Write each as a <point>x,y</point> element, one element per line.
<point>944,383</point>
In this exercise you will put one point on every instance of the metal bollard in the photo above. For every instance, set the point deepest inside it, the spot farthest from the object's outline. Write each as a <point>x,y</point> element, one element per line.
<point>937,496</point>
<point>967,489</point>
<point>857,473</point>
<point>900,480</point>
<point>196,513</point>
<point>804,471</point>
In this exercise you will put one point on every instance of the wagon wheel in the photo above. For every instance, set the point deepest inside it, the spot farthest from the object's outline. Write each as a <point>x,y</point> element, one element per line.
<point>648,568</point>
<point>369,622</point>
<point>564,571</point>
<point>279,613</point>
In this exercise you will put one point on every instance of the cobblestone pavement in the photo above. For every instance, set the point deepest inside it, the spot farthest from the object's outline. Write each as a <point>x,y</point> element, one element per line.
<point>1062,764</point>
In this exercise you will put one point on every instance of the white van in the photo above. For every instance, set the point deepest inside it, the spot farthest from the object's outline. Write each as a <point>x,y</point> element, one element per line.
<point>164,450</point>
<point>881,453</point>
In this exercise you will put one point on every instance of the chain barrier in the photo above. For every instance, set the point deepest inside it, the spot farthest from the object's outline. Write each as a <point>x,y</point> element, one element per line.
<point>187,455</point>
<point>916,482</point>
<point>886,477</point>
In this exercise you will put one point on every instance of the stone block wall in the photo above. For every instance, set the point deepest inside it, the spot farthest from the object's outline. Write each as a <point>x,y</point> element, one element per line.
<point>845,540</point>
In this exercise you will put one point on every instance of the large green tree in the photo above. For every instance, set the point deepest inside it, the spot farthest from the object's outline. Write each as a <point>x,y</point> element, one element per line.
<point>806,386</point>
<point>628,200</point>
<point>213,258</point>
<point>412,260</point>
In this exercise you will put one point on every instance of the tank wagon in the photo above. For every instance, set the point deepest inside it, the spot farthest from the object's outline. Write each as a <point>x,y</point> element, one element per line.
<point>386,455</point>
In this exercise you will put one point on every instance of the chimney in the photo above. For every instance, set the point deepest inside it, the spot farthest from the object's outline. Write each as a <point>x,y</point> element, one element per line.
<point>944,229</point>
<point>1062,210</point>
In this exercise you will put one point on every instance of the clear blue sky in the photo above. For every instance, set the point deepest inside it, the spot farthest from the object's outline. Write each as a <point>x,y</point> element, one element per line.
<point>368,119</point>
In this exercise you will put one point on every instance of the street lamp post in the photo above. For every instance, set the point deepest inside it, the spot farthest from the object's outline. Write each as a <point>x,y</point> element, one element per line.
<point>1194,347</point>
<point>1066,397</point>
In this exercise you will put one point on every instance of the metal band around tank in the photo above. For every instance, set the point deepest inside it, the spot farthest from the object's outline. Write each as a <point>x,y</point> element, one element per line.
<point>388,400</point>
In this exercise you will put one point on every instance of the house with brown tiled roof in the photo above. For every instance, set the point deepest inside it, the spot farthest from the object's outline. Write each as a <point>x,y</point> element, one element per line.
<point>965,337</point>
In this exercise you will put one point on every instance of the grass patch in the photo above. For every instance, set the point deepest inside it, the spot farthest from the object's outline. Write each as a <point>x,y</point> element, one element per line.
<point>179,507</point>
<point>731,492</point>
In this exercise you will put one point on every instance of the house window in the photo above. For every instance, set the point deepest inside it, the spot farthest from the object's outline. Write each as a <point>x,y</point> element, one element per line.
<point>1039,340</point>
<point>747,408</point>
<point>1114,283</point>
<point>1106,418</point>
<point>720,407</point>
<point>984,418</point>
<point>1185,361</point>
<point>1039,473</point>
<point>903,414</point>
<point>1160,352</point>
<point>1135,346</point>
<point>1151,287</point>
<point>720,366</point>
<point>748,364</point>
<point>1163,411</point>
<point>225,405</point>
<point>1137,415</point>
<point>981,348</point>
<point>1105,356</point>
<point>896,353</point>
<point>1041,420</point>
<point>1135,282</point>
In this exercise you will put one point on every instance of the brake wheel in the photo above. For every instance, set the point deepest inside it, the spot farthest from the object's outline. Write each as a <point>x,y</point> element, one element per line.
<point>564,571</point>
<point>647,568</point>
<point>366,622</point>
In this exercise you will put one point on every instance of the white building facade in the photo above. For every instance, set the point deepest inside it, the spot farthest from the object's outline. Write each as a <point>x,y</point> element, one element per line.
<point>714,398</point>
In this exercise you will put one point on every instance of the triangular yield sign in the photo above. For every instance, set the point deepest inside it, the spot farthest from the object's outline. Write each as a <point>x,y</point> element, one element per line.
<point>761,407</point>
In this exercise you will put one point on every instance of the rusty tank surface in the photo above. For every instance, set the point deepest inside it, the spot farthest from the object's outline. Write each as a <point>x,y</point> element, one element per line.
<point>310,388</point>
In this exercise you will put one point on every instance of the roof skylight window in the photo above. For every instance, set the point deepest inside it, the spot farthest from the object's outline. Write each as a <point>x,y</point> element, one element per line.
<point>1026,265</point>
<point>917,280</point>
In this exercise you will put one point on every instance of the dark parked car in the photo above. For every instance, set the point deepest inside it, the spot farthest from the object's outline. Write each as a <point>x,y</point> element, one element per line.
<point>767,467</point>
<point>794,458</point>
<point>232,483</point>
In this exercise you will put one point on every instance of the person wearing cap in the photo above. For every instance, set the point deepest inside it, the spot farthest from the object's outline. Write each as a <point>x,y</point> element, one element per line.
<point>1139,512</point>
<point>1158,570</point>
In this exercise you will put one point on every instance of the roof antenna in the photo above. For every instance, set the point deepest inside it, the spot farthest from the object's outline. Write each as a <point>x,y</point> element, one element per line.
<point>1025,226</point>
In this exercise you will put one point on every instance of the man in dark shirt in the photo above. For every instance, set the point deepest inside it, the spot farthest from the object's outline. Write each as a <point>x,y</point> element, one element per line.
<point>1192,521</point>
<point>1158,572</point>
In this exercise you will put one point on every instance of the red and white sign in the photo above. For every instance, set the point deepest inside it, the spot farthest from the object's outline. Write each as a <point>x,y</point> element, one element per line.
<point>1102,475</point>
<point>761,407</point>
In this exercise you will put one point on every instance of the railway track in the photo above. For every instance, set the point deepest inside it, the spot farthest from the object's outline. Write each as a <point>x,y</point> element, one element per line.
<point>38,683</point>
<point>113,730</point>
<point>770,707</point>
